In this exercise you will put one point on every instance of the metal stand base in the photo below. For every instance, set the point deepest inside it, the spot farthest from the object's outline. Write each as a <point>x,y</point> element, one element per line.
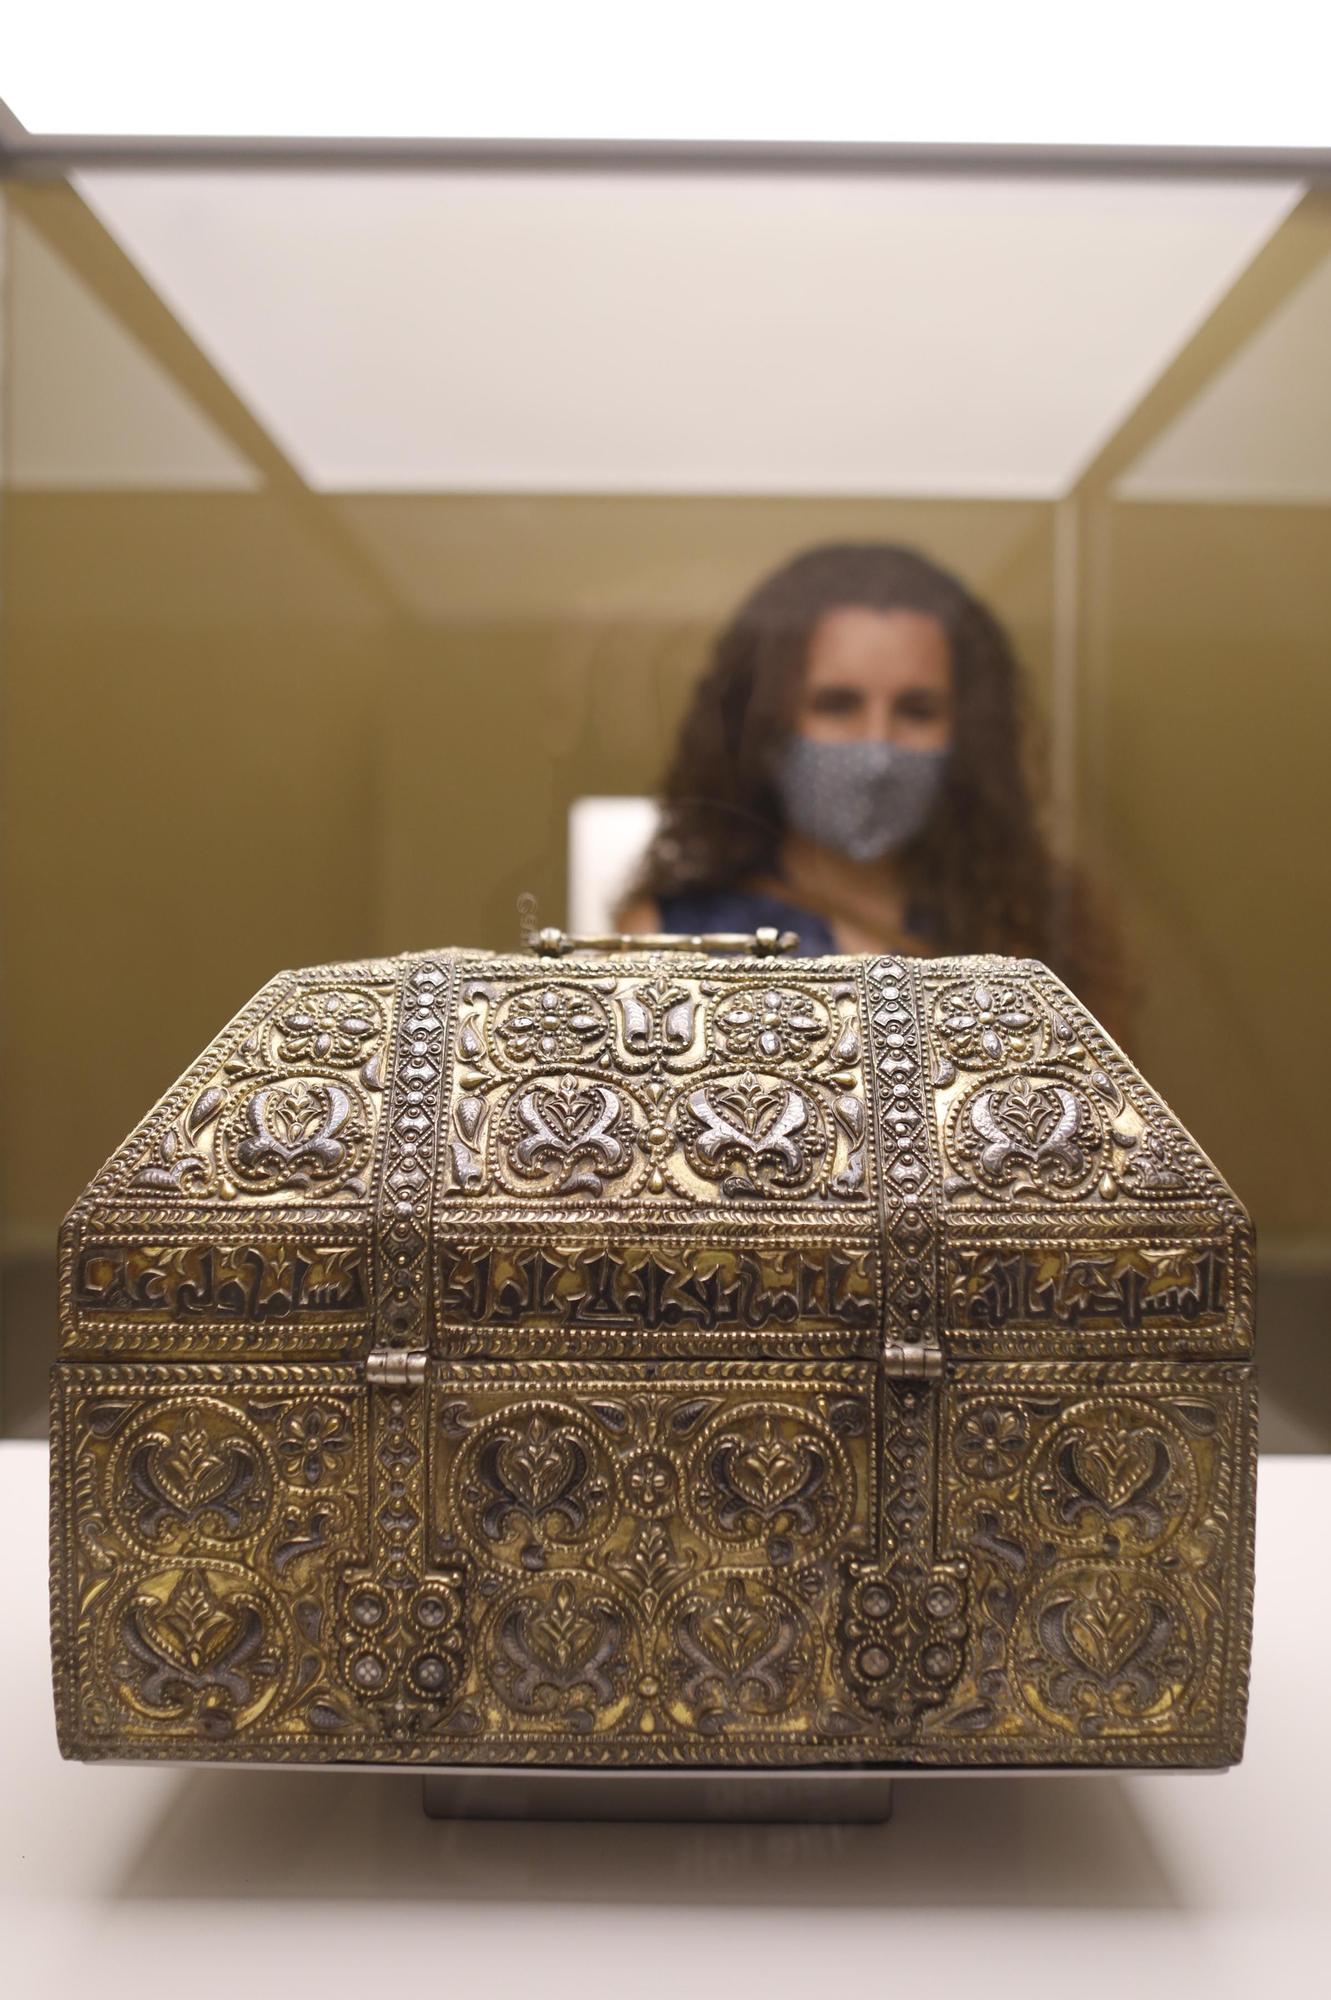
<point>823,1796</point>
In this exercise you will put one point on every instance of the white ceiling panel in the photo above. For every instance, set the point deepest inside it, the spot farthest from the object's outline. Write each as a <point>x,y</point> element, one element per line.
<point>689,333</point>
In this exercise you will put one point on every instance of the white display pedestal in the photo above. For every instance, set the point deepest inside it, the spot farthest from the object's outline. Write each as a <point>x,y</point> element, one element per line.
<point>122,1880</point>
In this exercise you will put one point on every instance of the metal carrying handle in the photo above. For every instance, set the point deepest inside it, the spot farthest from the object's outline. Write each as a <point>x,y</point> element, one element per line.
<point>765,942</point>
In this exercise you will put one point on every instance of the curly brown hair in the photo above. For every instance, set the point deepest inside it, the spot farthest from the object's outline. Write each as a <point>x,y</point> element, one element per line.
<point>981,868</point>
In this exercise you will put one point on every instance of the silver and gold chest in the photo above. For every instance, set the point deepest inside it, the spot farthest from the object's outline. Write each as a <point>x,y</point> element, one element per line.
<point>656,1359</point>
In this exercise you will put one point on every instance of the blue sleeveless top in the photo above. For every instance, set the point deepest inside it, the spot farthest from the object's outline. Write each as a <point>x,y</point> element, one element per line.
<point>748,909</point>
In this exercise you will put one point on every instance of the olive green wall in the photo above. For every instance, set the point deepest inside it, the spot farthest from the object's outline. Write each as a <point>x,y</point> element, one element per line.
<point>1206,733</point>
<point>186,802</point>
<point>220,758</point>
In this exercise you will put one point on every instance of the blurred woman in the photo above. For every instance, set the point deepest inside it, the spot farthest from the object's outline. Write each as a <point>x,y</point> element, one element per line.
<point>854,766</point>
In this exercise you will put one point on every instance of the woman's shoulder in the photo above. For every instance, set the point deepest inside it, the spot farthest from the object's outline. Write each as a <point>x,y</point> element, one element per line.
<point>741,909</point>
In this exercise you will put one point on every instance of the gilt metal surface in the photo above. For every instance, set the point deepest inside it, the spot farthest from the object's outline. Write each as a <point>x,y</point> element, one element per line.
<point>656,1359</point>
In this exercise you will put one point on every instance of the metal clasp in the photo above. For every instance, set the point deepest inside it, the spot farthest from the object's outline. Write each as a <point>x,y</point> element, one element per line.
<point>395,1367</point>
<point>765,942</point>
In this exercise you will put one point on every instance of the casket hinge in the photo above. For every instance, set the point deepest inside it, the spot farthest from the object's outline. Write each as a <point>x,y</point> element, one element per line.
<point>395,1367</point>
<point>914,1361</point>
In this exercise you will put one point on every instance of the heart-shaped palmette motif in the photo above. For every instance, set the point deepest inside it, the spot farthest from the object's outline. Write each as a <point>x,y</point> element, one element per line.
<point>1107,1629</point>
<point>539,1467</point>
<point>1115,1469</point>
<point>734,1632</point>
<point>575,1131</point>
<point>570,1112</point>
<point>183,1476</point>
<point>768,1470</point>
<point>564,1634</point>
<point>186,1469</point>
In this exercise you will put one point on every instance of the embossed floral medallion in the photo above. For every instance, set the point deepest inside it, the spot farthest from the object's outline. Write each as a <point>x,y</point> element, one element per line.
<point>770,1478</point>
<point>1029,1135</point>
<point>298,1132</point>
<point>572,1134</point>
<point>204,1648</point>
<point>756,1135</point>
<point>199,1471</point>
<point>735,1653</point>
<point>1103,1652</point>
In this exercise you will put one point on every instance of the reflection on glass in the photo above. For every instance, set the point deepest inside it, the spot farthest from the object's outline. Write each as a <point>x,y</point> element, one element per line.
<point>356,526</point>
<point>854,765</point>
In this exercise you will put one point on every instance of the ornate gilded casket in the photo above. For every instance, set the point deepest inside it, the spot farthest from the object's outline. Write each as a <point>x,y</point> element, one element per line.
<point>656,1359</point>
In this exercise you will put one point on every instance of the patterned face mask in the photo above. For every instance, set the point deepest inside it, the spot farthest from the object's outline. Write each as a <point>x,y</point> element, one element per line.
<point>863,799</point>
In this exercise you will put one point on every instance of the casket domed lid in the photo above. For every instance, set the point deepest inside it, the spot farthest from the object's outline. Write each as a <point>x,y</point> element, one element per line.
<point>655,1153</point>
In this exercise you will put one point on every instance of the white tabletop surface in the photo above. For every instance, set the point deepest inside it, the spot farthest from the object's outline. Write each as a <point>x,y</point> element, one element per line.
<point>199,1882</point>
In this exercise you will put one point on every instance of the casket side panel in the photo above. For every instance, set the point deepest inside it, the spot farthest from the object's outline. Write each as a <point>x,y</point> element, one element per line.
<point>1078,1216</point>
<point>238,1218</point>
<point>1097,1451</point>
<point>722,1563</point>
<point>1104,1515</point>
